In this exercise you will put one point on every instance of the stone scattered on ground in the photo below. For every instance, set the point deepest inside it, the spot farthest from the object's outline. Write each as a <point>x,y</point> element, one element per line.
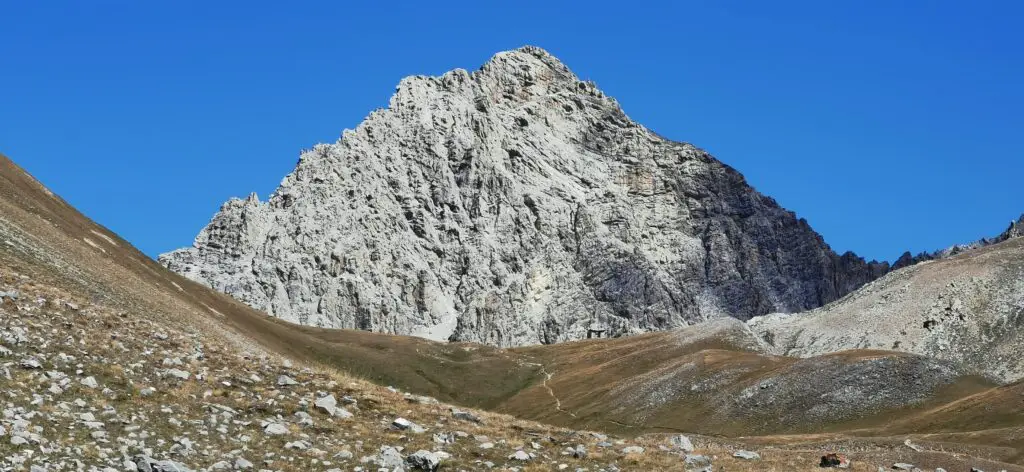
<point>120,392</point>
<point>406,425</point>
<point>747,455</point>
<point>681,443</point>
<point>465,415</point>
<point>520,455</point>
<point>115,390</point>
<point>697,462</point>
<point>424,460</point>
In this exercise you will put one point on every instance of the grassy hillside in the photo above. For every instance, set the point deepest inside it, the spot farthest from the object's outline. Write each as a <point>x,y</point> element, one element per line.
<point>714,379</point>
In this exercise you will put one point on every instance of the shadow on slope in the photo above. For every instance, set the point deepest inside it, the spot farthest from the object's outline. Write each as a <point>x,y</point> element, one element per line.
<point>702,379</point>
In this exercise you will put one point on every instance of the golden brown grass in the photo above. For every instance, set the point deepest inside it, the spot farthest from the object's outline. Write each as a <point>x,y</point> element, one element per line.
<point>47,236</point>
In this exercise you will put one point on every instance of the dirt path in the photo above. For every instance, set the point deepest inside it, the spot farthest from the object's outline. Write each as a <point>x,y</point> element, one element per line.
<point>547,377</point>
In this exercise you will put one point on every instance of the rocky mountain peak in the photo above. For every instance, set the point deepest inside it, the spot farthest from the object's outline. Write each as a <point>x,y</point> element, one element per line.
<point>513,205</point>
<point>516,76</point>
<point>528,67</point>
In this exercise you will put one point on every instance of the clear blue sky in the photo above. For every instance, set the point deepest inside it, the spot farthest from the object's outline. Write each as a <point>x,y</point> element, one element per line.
<point>889,125</point>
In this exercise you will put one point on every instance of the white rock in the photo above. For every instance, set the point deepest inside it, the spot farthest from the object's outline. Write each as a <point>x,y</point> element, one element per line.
<point>31,363</point>
<point>404,424</point>
<point>286,381</point>
<point>327,403</point>
<point>390,458</point>
<point>748,455</point>
<point>177,374</point>
<point>520,455</point>
<point>682,443</point>
<point>275,429</point>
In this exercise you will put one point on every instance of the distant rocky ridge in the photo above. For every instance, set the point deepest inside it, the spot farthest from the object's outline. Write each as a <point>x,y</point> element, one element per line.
<point>967,308</point>
<point>514,205</point>
<point>1015,230</point>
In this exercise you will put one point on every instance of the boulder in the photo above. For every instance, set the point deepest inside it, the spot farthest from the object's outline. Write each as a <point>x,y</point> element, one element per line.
<point>177,374</point>
<point>465,416</point>
<point>746,455</point>
<point>286,381</point>
<point>697,462</point>
<point>423,460</point>
<point>390,458</point>
<point>327,403</point>
<point>520,455</point>
<point>275,429</point>
<point>681,443</point>
<point>406,425</point>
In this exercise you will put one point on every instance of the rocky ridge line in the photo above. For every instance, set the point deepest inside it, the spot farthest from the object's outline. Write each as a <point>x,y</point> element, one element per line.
<point>1015,230</point>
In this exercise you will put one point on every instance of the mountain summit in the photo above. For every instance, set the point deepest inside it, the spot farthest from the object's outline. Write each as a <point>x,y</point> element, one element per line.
<point>513,205</point>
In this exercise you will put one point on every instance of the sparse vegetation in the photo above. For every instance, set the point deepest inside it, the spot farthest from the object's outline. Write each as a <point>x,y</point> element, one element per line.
<point>126,323</point>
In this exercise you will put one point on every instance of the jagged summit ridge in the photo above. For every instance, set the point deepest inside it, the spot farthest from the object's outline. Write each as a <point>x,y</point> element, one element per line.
<point>1015,230</point>
<point>513,205</point>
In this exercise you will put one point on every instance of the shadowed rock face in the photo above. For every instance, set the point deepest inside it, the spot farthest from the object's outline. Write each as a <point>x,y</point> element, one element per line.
<point>513,205</point>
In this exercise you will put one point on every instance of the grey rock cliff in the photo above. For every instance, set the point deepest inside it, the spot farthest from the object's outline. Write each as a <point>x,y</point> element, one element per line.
<point>513,205</point>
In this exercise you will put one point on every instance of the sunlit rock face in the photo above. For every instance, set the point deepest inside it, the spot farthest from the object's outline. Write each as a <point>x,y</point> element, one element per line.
<point>513,205</point>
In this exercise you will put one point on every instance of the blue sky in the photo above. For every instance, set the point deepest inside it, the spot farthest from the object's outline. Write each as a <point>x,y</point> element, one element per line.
<point>889,125</point>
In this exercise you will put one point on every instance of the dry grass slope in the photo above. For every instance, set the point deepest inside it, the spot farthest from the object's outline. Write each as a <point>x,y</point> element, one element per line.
<point>711,379</point>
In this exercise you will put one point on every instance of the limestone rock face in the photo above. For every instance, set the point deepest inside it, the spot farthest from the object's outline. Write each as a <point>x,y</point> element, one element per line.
<point>513,205</point>
<point>966,308</point>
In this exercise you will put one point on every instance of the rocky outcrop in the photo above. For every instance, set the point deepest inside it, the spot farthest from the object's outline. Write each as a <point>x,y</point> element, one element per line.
<point>966,308</point>
<point>513,205</point>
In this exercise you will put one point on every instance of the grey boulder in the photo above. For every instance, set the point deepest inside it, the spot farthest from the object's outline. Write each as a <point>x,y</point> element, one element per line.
<point>423,460</point>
